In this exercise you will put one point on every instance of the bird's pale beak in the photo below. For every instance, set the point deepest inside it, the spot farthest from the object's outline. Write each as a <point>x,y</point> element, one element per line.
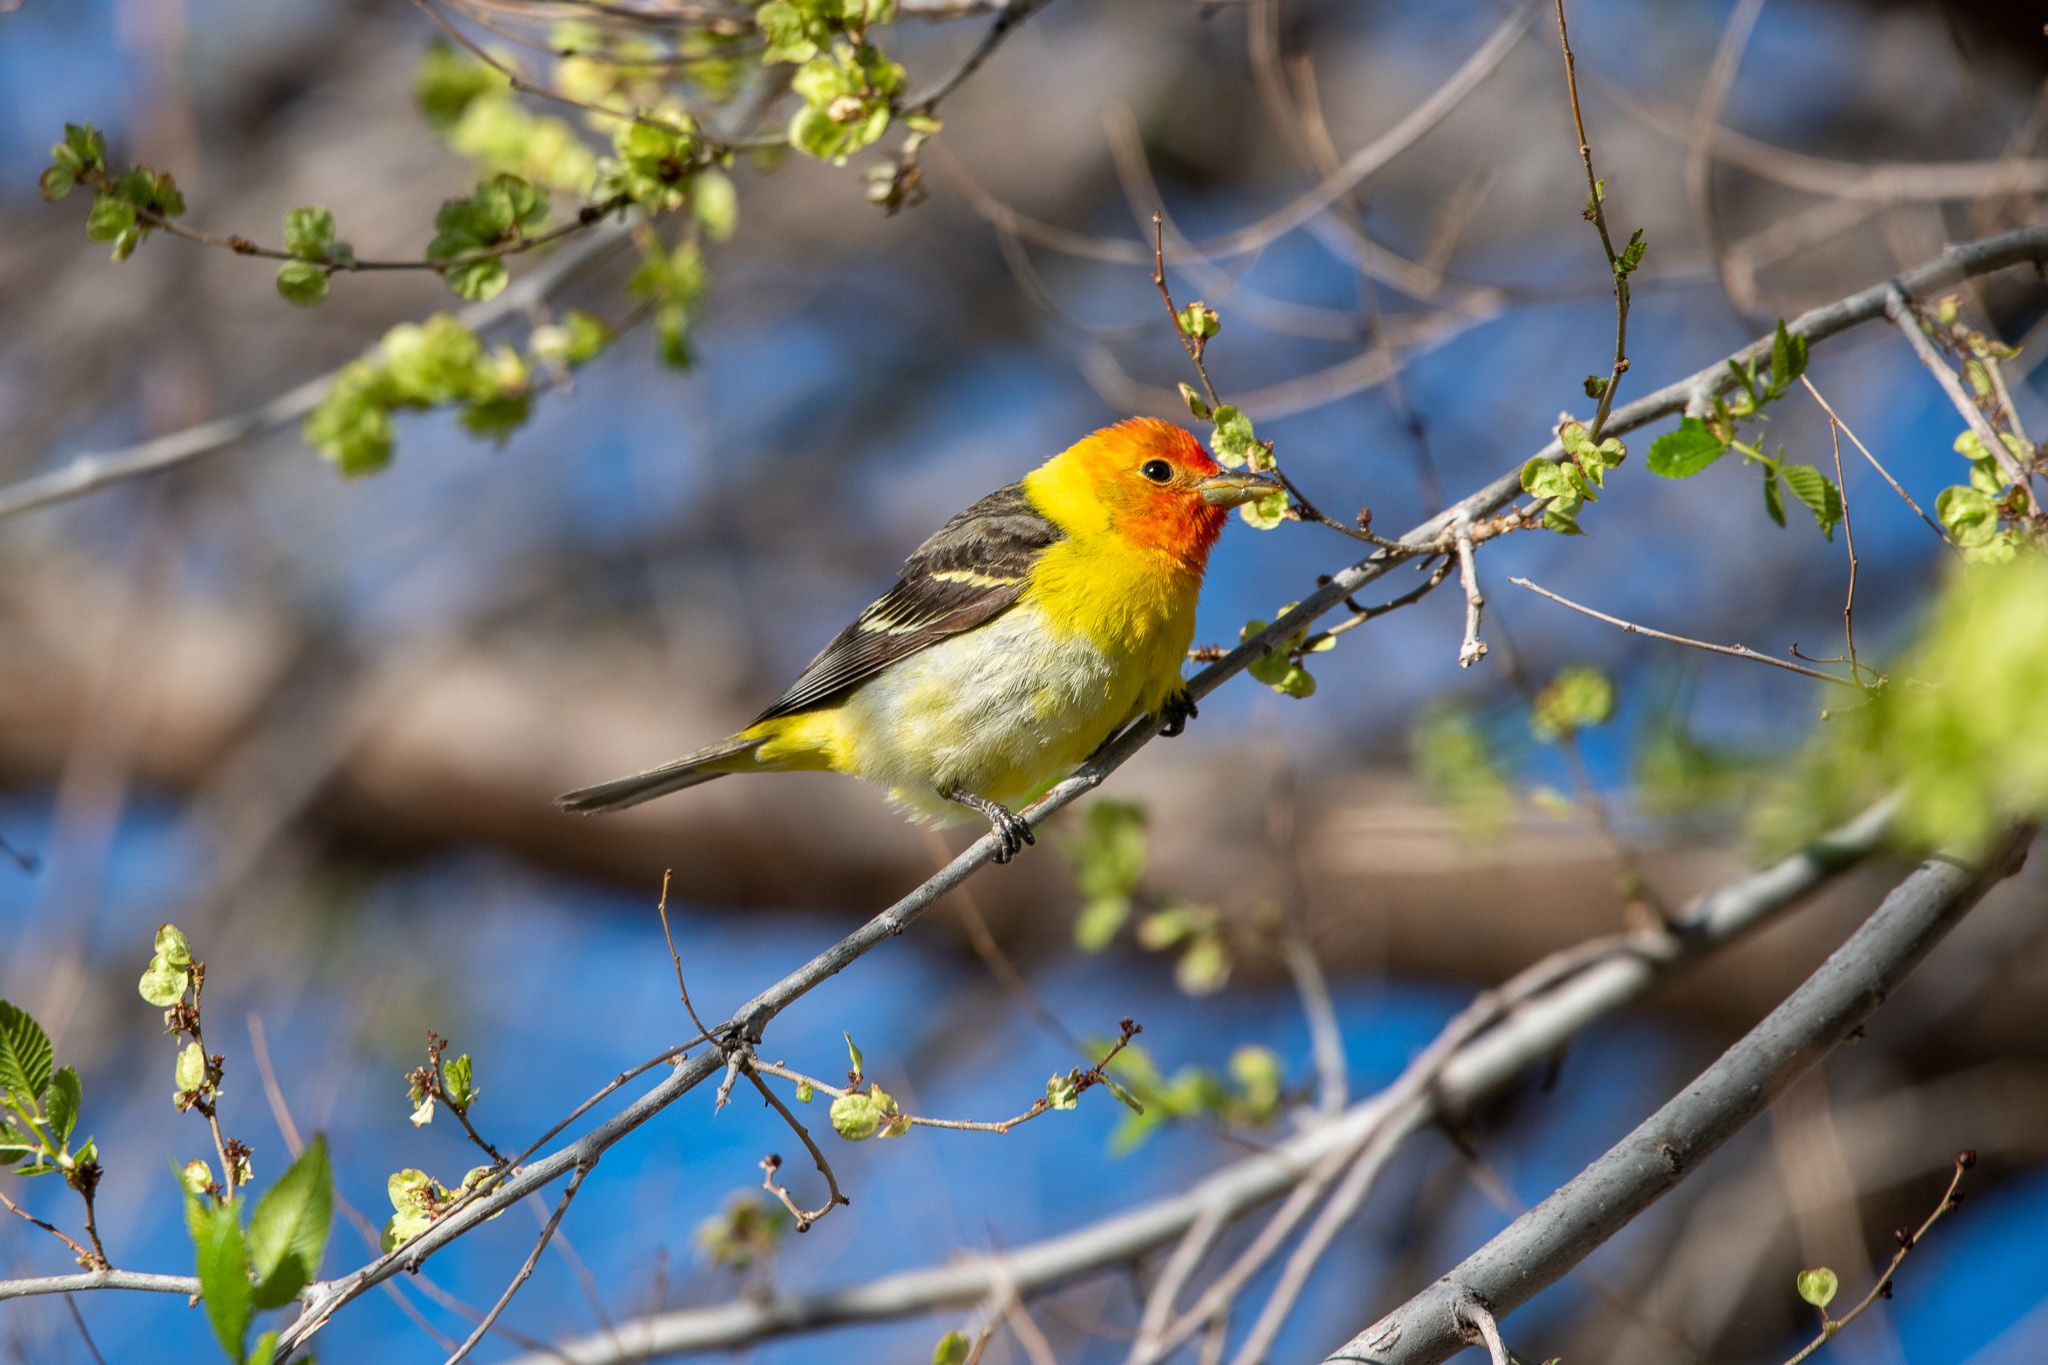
<point>1234,486</point>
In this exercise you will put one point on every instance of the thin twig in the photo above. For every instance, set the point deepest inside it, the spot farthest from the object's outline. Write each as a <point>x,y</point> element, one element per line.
<point>661,908</point>
<point>1699,163</point>
<point>1900,310</point>
<point>1472,649</point>
<point>1907,1241</point>
<point>1086,1080</point>
<point>1326,1037</point>
<point>1009,14</point>
<point>1884,473</point>
<point>1849,537</point>
<point>1732,651</point>
<point>804,1218</point>
<point>1472,1313</point>
<point>586,217</point>
<point>547,1234</point>
<point>1596,210</point>
<point>520,83</point>
<point>85,1258</point>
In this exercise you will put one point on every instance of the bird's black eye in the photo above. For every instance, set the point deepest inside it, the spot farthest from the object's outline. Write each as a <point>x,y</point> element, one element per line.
<point>1159,471</point>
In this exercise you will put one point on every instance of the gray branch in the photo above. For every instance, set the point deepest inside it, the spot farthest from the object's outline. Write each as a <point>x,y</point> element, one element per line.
<point>1568,991</point>
<point>1953,265</point>
<point>1545,1243</point>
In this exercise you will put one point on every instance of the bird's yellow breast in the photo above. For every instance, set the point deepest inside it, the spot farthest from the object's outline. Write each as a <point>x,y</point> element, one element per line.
<point>1008,707</point>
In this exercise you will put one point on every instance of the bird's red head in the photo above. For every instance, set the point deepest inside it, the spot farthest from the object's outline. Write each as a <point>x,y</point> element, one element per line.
<point>1147,481</point>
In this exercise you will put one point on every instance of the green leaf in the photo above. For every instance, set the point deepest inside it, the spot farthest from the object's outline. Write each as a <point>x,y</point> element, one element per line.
<point>172,946</point>
<point>855,1118</point>
<point>1818,492</point>
<point>478,280</point>
<point>1788,359</point>
<point>190,1073</point>
<point>108,218</point>
<point>459,1082</point>
<point>1774,500</point>
<point>1063,1092</point>
<point>1631,256</point>
<point>1544,479</point>
<point>1099,921</point>
<point>1578,698</point>
<point>16,1144</point>
<point>1197,405</point>
<point>61,1102</point>
<point>953,1349</point>
<point>448,80</point>
<point>715,203</point>
<point>413,1194</point>
<point>308,232</point>
<point>1266,512</point>
<point>1818,1287</point>
<point>302,283</point>
<point>1233,440</point>
<point>162,985</point>
<point>1198,319</point>
<point>853,1057</point>
<point>1685,452</point>
<point>1969,515</point>
<point>25,1056</point>
<point>1204,968</point>
<point>288,1229</point>
<point>56,182</point>
<point>264,1351</point>
<point>222,1262</point>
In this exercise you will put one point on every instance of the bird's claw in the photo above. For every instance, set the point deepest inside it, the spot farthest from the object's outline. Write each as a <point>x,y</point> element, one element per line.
<point>1011,831</point>
<point>1176,713</point>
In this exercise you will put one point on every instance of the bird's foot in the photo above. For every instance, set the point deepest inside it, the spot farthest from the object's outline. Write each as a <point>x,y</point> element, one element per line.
<point>1012,831</point>
<point>1176,713</point>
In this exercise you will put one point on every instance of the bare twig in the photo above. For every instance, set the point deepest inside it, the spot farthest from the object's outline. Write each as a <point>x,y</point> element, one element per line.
<point>1848,536</point>
<point>769,1165</point>
<point>1473,1314</point>
<point>1732,651</point>
<point>661,908</point>
<point>1472,649</point>
<point>84,1257</point>
<point>1009,14</point>
<point>1900,310</point>
<point>1326,1037</point>
<point>1836,422</point>
<point>1596,210</point>
<point>1699,164</point>
<point>540,1244</point>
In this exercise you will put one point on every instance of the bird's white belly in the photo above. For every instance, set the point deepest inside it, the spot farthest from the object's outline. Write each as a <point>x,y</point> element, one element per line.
<point>1000,711</point>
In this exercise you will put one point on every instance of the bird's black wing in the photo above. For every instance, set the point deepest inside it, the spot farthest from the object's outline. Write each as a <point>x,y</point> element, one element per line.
<point>968,573</point>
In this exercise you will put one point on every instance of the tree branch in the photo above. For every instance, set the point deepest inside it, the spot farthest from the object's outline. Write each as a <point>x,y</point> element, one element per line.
<point>1559,996</point>
<point>1545,1243</point>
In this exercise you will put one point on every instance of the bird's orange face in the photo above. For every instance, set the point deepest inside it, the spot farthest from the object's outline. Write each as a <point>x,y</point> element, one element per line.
<point>1156,486</point>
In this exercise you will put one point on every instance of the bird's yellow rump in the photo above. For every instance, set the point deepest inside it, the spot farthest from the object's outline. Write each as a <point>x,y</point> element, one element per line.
<point>1028,630</point>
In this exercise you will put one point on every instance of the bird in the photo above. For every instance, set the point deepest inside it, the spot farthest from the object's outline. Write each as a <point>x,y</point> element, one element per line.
<point>1018,639</point>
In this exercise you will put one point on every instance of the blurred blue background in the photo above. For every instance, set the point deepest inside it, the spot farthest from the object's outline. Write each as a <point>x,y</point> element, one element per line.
<point>362,852</point>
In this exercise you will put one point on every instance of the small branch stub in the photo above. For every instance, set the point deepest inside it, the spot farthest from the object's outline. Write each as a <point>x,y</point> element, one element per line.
<point>1473,649</point>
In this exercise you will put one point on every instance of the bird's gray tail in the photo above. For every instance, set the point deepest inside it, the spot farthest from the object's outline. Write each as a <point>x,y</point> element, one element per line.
<point>687,771</point>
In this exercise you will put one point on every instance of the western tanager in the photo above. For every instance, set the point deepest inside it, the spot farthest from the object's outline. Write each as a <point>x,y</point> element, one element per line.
<point>1031,628</point>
